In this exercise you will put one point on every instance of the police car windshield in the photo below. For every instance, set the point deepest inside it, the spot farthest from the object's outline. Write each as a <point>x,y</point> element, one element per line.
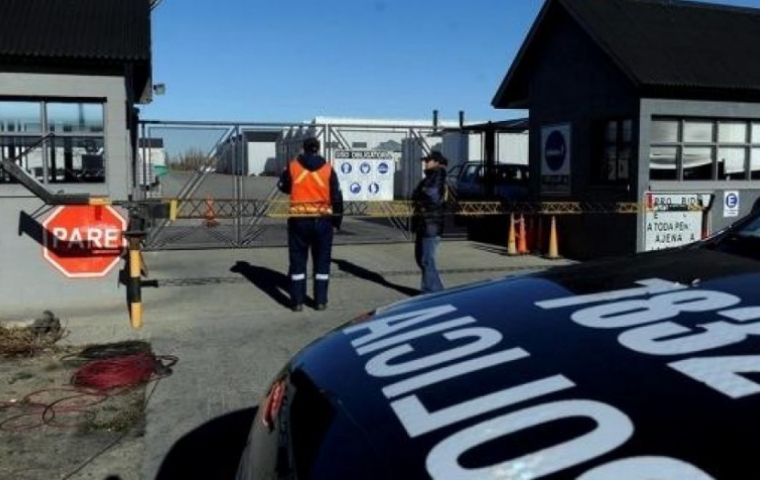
<point>750,229</point>
<point>742,240</point>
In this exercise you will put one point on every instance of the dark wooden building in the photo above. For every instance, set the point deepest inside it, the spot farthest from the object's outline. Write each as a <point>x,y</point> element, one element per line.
<point>648,101</point>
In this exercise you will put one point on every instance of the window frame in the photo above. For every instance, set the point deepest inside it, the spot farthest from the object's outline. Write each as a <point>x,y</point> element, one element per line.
<point>50,144</point>
<point>601,146</point>
<point>714,144</point>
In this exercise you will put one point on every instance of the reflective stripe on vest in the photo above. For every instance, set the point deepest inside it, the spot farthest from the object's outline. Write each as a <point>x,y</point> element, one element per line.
<point>310,193</point>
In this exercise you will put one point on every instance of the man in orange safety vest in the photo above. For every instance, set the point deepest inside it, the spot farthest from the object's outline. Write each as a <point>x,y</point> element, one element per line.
<point>316,207</point>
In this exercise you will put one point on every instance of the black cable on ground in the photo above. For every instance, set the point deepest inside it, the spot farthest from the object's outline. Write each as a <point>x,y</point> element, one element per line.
<point>112,350</point>
<point>112,444</point>
<point>115,369</point>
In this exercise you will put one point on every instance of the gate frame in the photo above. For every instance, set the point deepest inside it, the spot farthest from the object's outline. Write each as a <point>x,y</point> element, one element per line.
<point>246,228</point>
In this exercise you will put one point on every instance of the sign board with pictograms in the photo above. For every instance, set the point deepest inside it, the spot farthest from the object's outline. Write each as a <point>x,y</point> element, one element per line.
<point>673,219</point>
<point>84,241</point>
<point>731,203</point>
<point>365,175</point>
<point>555,159</point>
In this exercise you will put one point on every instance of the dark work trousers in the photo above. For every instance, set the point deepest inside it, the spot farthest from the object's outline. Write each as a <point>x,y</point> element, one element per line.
<point>304,233</point>
<point>424,253</point>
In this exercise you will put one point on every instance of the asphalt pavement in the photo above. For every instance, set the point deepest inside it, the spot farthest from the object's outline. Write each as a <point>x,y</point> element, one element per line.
<point>224,314</point>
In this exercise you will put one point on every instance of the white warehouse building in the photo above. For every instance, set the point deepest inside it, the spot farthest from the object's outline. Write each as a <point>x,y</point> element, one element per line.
<point>406,140</point>
<point>267,150</point>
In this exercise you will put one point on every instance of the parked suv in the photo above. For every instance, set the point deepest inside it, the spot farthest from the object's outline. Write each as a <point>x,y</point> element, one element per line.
<point>468,181</point>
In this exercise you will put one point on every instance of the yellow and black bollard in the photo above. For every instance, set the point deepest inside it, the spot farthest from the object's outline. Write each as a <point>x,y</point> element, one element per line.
<point>134,282</point>
<point>173,208</point>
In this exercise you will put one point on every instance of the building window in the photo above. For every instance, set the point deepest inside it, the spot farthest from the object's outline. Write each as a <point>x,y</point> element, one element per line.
<point>74,150</point>
<point>697,163</point>
<point>613,164</point>
<point>704,149</point>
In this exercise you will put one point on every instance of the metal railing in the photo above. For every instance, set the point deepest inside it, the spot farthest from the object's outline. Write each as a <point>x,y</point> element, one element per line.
<point>233,208</point>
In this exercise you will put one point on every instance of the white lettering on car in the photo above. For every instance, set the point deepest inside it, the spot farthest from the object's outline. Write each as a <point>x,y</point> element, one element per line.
<point>388,338</point>
<point>451,371</point>
<point>658,339</point>
<point>613,428</point>
<point>656,334</point>
<point>385,326</point>
<point>420,332</point>
<point>379,365</point>
<point>651,286</point>
<point>722,373</point>
<point>418,420</point>
<point>646,468</point>
<point>638,312</point>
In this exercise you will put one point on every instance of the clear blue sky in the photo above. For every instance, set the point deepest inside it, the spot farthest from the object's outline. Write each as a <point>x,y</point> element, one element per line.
<point>278,60</point>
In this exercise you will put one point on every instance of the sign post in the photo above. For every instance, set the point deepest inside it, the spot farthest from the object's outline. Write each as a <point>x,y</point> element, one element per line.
<point>731,203</point>
<point>555,159</point>
<point>84,241</point>
<point>673,219</point>
<point>365,175</point>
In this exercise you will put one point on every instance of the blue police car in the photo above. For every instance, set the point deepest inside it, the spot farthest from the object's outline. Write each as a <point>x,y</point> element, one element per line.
<point>640,368</point>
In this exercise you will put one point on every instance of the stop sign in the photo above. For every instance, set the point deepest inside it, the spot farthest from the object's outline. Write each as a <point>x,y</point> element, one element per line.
<point>84,241</point>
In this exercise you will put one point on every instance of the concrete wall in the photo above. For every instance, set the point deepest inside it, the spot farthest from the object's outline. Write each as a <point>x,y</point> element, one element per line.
<point>28,283</point>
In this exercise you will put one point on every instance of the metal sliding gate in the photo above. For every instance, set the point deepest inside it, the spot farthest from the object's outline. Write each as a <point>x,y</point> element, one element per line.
<point>223,177</point>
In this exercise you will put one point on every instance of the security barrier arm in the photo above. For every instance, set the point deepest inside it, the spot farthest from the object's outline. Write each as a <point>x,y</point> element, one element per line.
<point>225,208</point>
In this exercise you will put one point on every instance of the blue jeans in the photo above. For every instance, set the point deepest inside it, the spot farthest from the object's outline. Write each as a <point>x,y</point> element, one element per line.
<point>424,253</point>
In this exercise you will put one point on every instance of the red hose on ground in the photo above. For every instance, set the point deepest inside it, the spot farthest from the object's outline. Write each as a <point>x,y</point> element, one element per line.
<point>112,373</point>
<point>93,383</point>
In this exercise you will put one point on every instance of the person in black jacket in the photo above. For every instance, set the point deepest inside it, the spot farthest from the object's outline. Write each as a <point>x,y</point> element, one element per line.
<point>316,207</point>
<point>429,203</point>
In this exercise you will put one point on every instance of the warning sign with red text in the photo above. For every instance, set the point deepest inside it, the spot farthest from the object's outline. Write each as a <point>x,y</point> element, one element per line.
<point>84,241</point>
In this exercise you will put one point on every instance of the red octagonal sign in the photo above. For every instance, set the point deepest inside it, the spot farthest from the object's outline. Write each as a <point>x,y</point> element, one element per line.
<point>84,241</point>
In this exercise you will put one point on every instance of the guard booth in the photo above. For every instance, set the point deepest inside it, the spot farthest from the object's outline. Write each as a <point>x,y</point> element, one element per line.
<point>652,102</point>
<point>67,119</point>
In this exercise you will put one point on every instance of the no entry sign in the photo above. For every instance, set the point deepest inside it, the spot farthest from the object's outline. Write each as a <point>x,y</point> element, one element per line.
<point>84,241</point>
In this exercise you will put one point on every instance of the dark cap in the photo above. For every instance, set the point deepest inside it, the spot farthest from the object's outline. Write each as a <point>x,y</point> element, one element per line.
<point>436,157</point>
<point>311,145</point>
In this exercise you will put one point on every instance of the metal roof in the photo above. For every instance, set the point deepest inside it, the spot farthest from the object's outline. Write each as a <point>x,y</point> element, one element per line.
<point>514,125</point>
<point>381,122</point>
<point>110,30</point>
<point>662,46</point>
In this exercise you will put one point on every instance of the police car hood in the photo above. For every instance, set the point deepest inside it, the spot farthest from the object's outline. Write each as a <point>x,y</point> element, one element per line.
<point>630,365</point>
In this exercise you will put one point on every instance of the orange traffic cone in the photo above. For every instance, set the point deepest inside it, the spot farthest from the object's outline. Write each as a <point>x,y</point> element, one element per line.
<point>511,242</point>
<point>522,240</point>
<point>210,215</point>
<point>553,247</point>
